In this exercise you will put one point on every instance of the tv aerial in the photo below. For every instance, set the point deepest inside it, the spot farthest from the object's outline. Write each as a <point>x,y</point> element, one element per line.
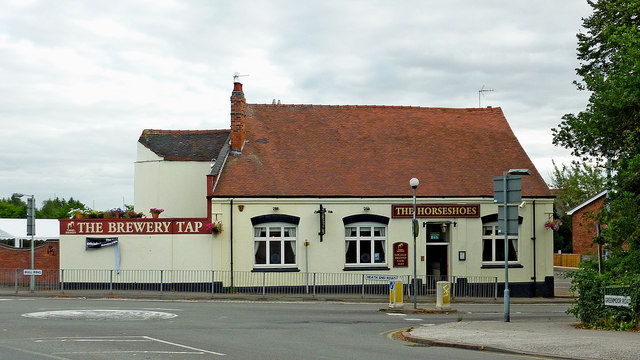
<point>481,92</point>
<point>236,75</point>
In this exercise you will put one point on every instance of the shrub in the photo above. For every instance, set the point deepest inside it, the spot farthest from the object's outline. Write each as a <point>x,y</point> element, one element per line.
<point>589,308</point>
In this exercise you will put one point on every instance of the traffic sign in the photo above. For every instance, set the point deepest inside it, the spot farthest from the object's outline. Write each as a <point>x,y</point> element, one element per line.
<point>32,272</point>
<point>514,189</point>
<point>508,223</point>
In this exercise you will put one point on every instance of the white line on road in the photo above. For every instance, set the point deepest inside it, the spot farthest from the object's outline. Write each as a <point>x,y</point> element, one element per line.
<point>92,340</point>
<point>184,346</point>
<point>34,353</point>
<point>131,352</point>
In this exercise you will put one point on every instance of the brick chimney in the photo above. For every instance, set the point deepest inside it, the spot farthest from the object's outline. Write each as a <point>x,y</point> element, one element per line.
<point>238,114</point>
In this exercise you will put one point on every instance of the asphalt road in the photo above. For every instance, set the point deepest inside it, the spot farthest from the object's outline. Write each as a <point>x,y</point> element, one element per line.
<point>70,329</point>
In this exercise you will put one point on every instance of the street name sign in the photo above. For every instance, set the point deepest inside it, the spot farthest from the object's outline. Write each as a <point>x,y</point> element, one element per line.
<point>32,272</point>
<point>381,277</point>
<point>617,300</point>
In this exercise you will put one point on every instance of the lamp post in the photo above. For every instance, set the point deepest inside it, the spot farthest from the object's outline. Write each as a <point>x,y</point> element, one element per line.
<point>31,230</point>
<point>414,182</point>
<point>511,193</point>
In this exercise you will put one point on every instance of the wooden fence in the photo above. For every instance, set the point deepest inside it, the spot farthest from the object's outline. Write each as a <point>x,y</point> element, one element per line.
<point>566,260</point>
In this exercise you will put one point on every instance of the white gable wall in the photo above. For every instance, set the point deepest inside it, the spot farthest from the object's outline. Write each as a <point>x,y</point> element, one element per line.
<point>178,187</point>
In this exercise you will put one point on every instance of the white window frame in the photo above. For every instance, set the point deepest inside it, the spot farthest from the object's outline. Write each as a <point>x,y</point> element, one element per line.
<point>282,240</point>
<point>494,237</point>
<point>371,239</point>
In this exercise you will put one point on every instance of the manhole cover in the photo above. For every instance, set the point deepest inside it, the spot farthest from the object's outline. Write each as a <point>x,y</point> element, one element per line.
<point>101,315</point>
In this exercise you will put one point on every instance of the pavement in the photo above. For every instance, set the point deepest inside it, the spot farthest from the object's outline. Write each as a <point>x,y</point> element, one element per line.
<point>546,339</point>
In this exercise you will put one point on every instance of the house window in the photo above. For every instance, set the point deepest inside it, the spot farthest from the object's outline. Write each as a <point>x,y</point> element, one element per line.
<point>493,244</point>
<point>365,244</point>
<point>274,245</point>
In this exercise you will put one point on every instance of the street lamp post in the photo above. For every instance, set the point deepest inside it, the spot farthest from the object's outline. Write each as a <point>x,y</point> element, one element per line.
<point>31,230</point>
<point>414,182</point>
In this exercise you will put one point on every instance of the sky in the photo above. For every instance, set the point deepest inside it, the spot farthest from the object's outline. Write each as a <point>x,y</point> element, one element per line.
<point>80,80</point>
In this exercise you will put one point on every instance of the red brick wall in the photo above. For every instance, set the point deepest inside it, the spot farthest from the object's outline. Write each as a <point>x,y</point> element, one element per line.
<point>238,114</point>
<point>46,257</point>
<point>585,229</point>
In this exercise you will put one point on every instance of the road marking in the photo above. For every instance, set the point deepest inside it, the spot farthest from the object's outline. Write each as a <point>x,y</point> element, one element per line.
<point>413,319</point>
<point>34,353</point>
<point>396,314</point>
<point>123,339</point>
<point>91,340</point>
<point>184,346</point>
<point>131,352</point>
<point>101,315</point>
<point>389,333</point>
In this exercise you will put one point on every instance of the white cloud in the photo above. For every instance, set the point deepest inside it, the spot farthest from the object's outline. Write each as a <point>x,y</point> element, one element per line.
<point>81,80</point>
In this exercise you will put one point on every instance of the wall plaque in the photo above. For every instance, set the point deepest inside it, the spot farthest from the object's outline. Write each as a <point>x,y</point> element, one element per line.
<point>400,254</point>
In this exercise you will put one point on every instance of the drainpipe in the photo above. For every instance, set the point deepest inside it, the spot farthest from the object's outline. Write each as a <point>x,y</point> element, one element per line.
<point>231,237</point>
<point>535,284</point>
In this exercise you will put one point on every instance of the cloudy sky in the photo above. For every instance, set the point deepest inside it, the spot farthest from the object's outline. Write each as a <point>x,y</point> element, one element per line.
<point>80,80</point>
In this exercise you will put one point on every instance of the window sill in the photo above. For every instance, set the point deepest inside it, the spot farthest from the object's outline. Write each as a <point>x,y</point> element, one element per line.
<point>276,269</point>
<point>363,268</point>
<point>501,266</point>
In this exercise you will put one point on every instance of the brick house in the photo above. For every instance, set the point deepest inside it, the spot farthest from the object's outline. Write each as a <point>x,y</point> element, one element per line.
<point>584,227</point>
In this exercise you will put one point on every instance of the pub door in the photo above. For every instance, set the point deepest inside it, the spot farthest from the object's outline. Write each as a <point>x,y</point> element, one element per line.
<point>437,242</point>
<point>438,261</point>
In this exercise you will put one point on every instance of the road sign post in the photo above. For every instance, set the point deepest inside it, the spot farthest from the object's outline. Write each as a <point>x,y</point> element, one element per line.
<point>508,190</point>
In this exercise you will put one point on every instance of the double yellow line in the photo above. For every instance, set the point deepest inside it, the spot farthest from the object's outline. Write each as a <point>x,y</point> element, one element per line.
<point>390,333</point>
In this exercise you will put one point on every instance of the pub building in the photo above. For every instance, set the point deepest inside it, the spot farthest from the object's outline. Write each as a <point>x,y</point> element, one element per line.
<point>325,189</point>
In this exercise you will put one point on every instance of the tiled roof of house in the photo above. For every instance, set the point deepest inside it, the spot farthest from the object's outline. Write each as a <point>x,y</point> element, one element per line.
<point>185,145</point>
<point>373,151</point>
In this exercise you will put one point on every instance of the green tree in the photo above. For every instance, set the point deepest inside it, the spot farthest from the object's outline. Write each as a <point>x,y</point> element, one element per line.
<point>58,208</point>
<point>13,207</point>
<point>608,130</point>
<point>608,133</point>
<point>574,184</point>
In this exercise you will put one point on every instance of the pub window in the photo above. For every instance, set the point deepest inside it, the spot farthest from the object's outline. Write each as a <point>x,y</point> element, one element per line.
<point>274,245</point>
<point>365,244</point>
<point>493,244</point>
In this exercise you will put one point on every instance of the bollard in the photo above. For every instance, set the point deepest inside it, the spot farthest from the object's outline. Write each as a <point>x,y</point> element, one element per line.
<point>443,292</point>
<point>395,294</point>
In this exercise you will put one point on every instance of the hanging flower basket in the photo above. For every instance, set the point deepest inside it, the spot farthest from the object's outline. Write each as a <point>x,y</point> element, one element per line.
<point>215,227</point>
<point>553,224</point>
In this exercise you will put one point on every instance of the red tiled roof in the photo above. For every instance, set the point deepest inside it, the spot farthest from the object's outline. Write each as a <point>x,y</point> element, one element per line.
<point>185,145</point>
<point>373,151</point>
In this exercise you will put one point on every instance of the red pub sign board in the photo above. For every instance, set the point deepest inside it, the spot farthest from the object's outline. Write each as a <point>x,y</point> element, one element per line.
<point>436,211</point>
<point>133,226</point>
<point>401,254</point>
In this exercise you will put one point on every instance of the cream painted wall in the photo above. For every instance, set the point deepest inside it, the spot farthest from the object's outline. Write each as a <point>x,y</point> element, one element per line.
<point>212,252</point>
<point>328,256</point>
<point>179,187</point>
<point>141,252</point>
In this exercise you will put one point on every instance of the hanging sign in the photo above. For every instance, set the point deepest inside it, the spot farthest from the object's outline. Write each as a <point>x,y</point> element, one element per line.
<point>96,243</point>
